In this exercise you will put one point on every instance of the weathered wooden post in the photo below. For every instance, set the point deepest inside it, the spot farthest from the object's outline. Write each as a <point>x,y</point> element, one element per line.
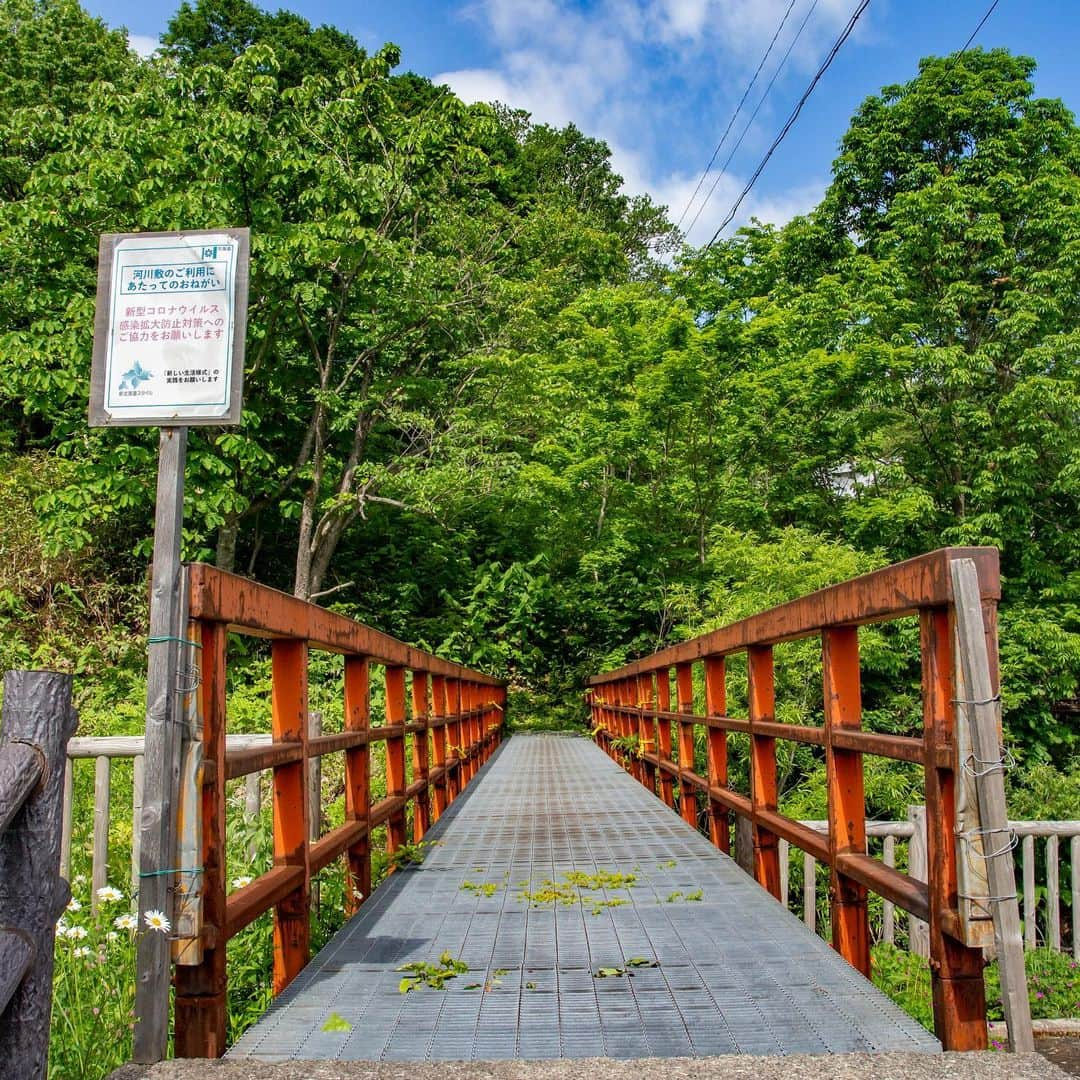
<point>38,720</point>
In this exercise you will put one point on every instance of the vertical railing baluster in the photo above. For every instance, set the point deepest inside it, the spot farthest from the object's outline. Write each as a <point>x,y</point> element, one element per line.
<point>1074,859</point>
<point>684,688</point>
<point>784,849</point>
<point>99,867</point>
<point>1053,895</point>
<point>289,707</point>
<point>358,780</point>
<point>810,891</point>
<point>438,743</point>
<point>421,715</point>
<point>888,909</point>
<point>763,791</point>
<point>646,702</point>
<point>663,734</point>
<point>395,755</point>
<point>716,705</point>
<point>137,772</point>
<point>847,802</point>
<point>1030,917</point>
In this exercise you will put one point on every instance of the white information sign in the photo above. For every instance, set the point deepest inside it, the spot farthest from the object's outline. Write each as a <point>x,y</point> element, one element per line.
<point>169,335</point>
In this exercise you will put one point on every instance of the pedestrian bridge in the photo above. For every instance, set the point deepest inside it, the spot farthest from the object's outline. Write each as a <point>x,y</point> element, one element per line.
<point>728,971</point>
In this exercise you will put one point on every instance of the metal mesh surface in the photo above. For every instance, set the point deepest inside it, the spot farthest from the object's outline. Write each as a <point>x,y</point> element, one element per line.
<point>736,972</point>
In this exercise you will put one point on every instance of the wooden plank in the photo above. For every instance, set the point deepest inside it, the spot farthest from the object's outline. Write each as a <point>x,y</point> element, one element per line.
<point>901,589</point>
<point>1053,895</point>
<point>1074,859</point>
<point>663,734</point>
<point>438,740</point>
<point>888,908</point>
<point>810,892</point>
<point>168,600</point>
<point>289,722</point>
<point>328,847</point>
<point>1027,853</point>
<point>65,834</point>
<point>395,755</point>
<point>646,695</point>
<point>918,868</point>
<point>717,751</point>
<point>684,686</point>
<point>245,905</point>
<point>201,987</point>
<point>99,865</point>
<point>847,801</point>
<point>977,638</point>
<point>956,971</point>
<point>357,781</point>
<point>254,759</point>
<point>256,609</point>
<point>763,789</point>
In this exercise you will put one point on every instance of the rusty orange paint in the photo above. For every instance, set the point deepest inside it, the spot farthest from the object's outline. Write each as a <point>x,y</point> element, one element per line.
<point>763,793</point>
<point>438,743</point>
<point>684,689</point>
<point>663,733</point>
<point>358,780</point>
<point>847,801</point>
<point>421,714</point>
<point>395,755</point>
<point>716,705</point>
<point>289,723</point>
<point>956,970</point>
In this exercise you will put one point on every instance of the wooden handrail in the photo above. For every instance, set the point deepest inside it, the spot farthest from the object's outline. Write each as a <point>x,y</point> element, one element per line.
<point>447,726</point>
<point>633,713</point>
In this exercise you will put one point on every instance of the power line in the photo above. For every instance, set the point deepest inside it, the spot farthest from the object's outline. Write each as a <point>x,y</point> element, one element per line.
<point>753,116</point>
<point>975,32</point>
<point>825,65</point>
<point>738,109</point>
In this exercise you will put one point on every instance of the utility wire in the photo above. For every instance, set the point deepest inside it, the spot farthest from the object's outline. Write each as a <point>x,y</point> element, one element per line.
<point>825,65</point>
<point>975,32</point>
<point>738,109</point>
<point>753,116</point>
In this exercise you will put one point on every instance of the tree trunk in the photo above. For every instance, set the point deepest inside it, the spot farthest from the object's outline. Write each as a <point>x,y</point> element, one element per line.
<point>225,556</point>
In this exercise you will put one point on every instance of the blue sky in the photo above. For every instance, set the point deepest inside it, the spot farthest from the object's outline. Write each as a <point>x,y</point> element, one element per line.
<point>659,79</point>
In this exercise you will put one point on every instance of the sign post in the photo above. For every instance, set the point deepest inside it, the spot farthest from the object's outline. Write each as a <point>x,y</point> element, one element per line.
<point>168,352</point>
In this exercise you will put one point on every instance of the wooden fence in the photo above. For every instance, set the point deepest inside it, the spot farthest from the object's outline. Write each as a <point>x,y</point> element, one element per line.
<point>633,705</point>
<point>37,721</point>
<point>440,717</point>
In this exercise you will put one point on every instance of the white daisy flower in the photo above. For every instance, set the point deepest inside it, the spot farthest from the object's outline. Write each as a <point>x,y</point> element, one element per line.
<point>81,951</point>
<point>80,879</point>
<point>126,922</point>
<point>156,920</point>
<point>109,894</point>
<point>241,881</point>
<point>76,933</point>
<point>61,926</point>
<point>74,905</point>
<point>112,935</point>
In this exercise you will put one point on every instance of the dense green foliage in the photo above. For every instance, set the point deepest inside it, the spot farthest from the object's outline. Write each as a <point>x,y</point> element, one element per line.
<point>494,409</point>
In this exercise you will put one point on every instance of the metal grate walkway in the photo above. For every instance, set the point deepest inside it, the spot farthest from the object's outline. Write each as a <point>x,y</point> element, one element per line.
<point>736,972</point>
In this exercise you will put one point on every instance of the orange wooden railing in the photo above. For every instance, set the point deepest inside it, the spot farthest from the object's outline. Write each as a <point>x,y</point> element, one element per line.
<point>453,726</point>
<point>636,701</point>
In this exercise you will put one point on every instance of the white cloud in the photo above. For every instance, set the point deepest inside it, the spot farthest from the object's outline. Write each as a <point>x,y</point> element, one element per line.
<point>145,46</point>
<point>625,71</point>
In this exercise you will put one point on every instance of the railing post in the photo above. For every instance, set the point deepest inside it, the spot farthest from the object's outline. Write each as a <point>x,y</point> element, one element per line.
<point>847,800</point>
<point>646,702</point>
<point>763,792</point>
<point>684,687</point>
<point>716,705</point>
<point>438,739</point>
<point>289,706</point>
<point>956,970</point>
<point>453,708</point>
<point>395,755</point>
<point>201,988</point>
<point>663,734</point>
<point>421,715</point>
<point>358,780</point>
<point>38,714</point>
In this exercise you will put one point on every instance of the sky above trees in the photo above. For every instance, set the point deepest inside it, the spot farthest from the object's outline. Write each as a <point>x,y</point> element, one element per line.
<point>659,79</point>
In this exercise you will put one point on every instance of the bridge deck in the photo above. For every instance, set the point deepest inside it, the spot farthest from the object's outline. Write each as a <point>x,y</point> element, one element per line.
<point>736,973</point>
